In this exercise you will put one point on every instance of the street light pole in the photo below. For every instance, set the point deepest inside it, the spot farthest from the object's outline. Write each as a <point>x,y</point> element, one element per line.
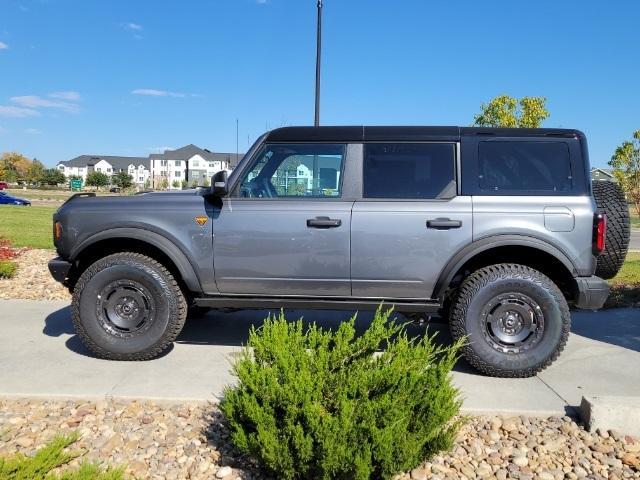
<point>318,59</point>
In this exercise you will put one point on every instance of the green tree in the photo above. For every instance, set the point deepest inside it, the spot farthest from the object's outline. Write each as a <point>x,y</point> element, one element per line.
<point>185,184</point>
<point>626,168</point>
<point>164,184</point>
<point>147,184</point>
<point>175,184</point>
<point>206,182</point>
<point>34,172</point>
<point>52,176</point>
<point>506,111</point>
<point>194,183</point>
<point>122,180</point>
<point>97,179</point>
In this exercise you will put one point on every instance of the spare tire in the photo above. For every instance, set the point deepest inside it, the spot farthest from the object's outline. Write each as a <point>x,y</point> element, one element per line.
<point>611,201</point>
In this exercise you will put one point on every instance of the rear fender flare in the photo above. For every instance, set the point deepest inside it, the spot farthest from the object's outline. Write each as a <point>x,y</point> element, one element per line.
<point>467,253</point>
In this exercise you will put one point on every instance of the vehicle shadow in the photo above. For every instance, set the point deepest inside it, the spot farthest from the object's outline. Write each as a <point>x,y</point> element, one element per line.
<point>616,326</point>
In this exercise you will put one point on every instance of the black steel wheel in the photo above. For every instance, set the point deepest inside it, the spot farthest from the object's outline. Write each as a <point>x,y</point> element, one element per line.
<point>128,306</point>
<point>515,320</point>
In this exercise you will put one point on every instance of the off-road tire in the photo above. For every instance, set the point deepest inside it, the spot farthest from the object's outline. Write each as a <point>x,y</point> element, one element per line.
<point>170,307</point>
<point>610,200</point>
<point>466,319</point>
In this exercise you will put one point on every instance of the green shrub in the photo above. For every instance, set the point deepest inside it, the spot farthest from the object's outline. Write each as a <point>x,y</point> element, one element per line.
<point>50,457</point>
<point>312,403</point>
<point>7,269</point>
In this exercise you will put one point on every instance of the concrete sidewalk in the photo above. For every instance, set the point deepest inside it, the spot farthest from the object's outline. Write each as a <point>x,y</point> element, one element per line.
<point>40,356</point>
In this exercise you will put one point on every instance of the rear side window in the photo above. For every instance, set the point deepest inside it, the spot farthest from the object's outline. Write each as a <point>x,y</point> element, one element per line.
<point>409,170</point>
<point>516,167</point>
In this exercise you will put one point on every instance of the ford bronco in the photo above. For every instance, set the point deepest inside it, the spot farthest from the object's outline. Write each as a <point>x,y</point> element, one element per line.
<point>499,230</point>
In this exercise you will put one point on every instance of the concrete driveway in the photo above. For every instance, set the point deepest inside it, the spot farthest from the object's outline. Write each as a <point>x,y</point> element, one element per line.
<point>41,356</point>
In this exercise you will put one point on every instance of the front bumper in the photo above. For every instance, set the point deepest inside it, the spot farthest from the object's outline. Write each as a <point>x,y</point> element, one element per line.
<point>592,292</point>
<point>59,269</point>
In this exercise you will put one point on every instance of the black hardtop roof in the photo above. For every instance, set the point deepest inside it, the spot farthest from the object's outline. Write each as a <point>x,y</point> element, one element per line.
<point>408,133</point>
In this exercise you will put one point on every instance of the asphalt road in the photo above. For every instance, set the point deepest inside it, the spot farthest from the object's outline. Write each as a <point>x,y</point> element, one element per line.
<point>634,244</point>
<point>41,356</point>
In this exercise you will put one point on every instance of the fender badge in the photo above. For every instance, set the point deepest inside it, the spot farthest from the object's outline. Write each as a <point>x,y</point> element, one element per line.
<point>201,220</point>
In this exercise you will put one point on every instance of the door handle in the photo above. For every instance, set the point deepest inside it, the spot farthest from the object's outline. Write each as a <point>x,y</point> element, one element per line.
<point>443,223</point>
<point>323,222</point>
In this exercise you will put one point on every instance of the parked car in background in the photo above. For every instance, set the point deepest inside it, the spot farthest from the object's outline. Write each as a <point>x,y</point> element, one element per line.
<point>6,199</point>
<point>114,190</point>
<point>4,185</point>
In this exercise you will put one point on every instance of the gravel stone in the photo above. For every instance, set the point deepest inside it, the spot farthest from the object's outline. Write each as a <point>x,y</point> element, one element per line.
<point>33,281</point>
<point>189,441</point>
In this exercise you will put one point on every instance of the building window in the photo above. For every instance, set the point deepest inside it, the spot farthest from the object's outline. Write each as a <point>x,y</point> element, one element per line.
<point>178,163</point>
<point>163,163</point>
<point>177,174</point>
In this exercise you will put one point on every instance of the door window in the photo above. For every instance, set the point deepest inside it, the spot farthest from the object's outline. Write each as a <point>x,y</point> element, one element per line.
<point>295,170</point>
<point>409,170</point>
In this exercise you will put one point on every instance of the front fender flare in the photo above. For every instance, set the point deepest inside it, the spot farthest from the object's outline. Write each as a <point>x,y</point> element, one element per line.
<point>175,254</point>
<point>467,253</point>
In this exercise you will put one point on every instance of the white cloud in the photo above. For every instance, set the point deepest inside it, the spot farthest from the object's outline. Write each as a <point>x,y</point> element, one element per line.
<point>4,46</point>
<point>34,101</point>
<point>133,26</point>
<point>71,96</point>
<point>159,149</point>
<point>157,93</point>
<point>17,112</point>
<point>32,131</point>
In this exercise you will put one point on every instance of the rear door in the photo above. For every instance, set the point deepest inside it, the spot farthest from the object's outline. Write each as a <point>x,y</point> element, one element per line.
<point>286,229</point>
<point>410,220</point>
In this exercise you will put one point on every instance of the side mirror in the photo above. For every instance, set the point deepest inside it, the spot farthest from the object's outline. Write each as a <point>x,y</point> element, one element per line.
<point>219,184</point>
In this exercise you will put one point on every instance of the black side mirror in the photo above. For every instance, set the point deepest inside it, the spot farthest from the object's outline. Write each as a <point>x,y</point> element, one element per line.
<point>219,184</point>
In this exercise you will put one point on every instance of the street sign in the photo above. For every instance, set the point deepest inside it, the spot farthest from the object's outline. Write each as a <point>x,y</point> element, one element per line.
<point>76,184</point>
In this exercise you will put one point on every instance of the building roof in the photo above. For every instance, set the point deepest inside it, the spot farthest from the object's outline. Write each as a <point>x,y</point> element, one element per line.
<point>606,171</point>
<point>408,133</point>
<point>186,152</point>
<point>118,163</point>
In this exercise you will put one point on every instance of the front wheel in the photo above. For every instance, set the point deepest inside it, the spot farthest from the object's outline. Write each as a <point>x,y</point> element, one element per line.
<point>128,306</point>
<point>515,319</point>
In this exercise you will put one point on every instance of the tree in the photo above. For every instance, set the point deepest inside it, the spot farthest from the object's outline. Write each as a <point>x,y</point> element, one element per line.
<point>185,184</point>
<point>147,184</point>
<point>626,168</point>
<point>34,172</point>
<point>206,182</point>
<point>506,111</point>
<point>52,176</point>
<point>194,183</point>
<point>175,184</point>
<point>164,184</point>
<point>97,179</point>
<point>13,167</point>
<point>122,180</point>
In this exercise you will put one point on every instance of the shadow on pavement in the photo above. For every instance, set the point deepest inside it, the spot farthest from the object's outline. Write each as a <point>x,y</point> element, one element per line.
<point>619,327</point>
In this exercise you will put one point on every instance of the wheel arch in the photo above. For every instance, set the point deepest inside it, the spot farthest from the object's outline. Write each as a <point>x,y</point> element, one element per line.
<point>523,250</point>
<point>135,240</point>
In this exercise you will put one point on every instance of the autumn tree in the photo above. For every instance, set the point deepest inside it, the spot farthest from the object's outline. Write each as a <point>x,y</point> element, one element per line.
<point>52,176</point>
<point>626,168</point>
<point>13,167</point>
<point>34,172</point>
<point>506,111</point>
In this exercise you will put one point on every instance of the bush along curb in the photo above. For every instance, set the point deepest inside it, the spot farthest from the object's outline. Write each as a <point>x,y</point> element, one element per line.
<point>318,404</point>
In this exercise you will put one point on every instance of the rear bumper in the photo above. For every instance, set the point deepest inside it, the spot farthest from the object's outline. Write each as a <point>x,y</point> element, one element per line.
<point>592,292</point>
<point>59,269</point>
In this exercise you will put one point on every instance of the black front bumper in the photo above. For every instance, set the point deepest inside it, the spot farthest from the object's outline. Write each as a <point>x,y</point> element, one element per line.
<point>59,269</point>
<point>592,292</point>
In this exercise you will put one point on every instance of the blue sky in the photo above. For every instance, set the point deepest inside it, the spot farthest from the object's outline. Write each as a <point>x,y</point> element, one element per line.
<point>134,77</point>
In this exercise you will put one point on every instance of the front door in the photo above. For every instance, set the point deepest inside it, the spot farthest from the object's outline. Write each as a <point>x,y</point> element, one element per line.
<point>285,228</point>
<point>410,221</point>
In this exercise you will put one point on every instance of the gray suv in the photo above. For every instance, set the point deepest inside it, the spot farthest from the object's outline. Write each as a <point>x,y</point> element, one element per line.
<point>498,230</point>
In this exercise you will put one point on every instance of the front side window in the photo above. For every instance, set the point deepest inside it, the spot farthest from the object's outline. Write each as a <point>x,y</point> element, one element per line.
<point>295,170</point>
<point>424,171</point>
<point>520,166</point>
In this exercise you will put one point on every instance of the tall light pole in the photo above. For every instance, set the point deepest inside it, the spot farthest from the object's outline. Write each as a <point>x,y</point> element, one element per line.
<point>318,60</point>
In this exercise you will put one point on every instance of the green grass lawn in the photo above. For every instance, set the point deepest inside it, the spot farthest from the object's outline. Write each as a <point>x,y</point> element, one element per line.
<point>625,287</point>
<point>27,226</point>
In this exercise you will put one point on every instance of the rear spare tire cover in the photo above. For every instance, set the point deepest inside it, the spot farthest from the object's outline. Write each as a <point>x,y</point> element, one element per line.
<point>611,201</point>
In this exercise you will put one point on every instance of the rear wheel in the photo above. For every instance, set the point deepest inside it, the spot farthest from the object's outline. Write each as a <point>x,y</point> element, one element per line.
<point>515,319</point>
<point>611,201</point>
<point>128,306</point>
